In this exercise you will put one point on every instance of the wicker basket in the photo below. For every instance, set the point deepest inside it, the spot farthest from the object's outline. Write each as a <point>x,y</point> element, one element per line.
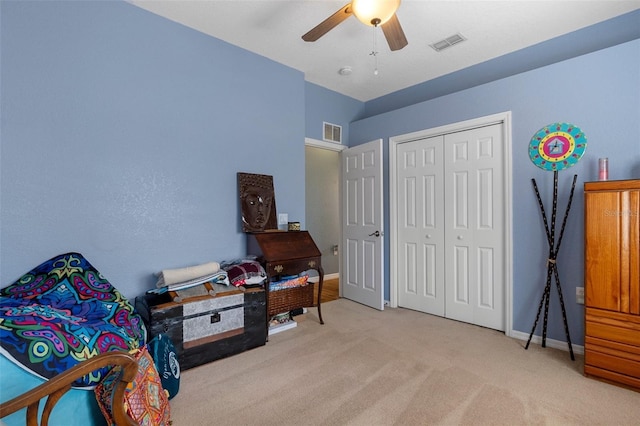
<point>288,299</point>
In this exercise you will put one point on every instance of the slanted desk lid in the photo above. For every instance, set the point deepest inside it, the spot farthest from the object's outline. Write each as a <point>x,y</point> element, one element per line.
<point>285,245</point>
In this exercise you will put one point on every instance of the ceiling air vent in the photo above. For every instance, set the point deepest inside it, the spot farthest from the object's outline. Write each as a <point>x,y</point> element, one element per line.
<point>332,132</point>
<point>447,42</point>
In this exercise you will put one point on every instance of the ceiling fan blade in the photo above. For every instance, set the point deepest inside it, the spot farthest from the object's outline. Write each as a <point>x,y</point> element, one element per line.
<point>328,24</point>
<point>394,34</point>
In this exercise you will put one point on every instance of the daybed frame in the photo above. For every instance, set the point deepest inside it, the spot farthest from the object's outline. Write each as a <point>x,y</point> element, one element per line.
<point>55,388</point>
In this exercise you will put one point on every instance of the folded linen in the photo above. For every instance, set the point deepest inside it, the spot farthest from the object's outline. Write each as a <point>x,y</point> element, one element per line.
<point>180,275</point>
<point>220,277</point>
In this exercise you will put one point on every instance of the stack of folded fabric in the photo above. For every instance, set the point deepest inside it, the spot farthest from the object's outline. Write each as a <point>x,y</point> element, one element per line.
<point>245,272</point>
<point>289,282</point>
<point>184,278</point>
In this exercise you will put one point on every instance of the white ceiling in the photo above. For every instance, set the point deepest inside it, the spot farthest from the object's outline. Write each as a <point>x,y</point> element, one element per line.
<point>273,28</point>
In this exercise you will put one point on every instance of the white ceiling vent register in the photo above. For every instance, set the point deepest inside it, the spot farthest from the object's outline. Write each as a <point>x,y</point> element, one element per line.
<point>447,42</point>
<point>332,132</point>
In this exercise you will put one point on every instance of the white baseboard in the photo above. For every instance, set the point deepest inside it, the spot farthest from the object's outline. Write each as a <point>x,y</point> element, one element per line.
<point>551,343</point>
<point>316,278</point>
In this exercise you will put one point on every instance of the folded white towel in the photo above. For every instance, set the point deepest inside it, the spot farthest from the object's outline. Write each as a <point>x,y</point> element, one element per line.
<point>217,278</point>
<point>173,276</point>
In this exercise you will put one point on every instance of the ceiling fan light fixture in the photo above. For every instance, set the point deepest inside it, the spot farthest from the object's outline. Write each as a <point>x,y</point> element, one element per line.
<point>374,12</point>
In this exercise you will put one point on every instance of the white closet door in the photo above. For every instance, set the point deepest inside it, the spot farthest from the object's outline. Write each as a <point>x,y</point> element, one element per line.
<point>474,236</point>
<point>420,189</point>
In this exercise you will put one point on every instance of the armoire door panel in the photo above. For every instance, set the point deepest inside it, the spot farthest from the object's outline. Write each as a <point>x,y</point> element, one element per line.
<point>603,259</point>
<point>634,252</point>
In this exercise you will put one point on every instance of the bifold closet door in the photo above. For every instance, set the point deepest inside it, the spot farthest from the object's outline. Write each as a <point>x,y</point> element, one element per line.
<point>450,226</point>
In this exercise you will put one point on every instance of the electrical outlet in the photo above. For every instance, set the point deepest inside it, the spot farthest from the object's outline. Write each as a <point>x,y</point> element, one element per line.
<point>580,295</point>
<point>283,218</point>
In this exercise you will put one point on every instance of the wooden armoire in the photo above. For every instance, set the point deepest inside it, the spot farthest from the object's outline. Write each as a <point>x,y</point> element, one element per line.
<point>612,281</point>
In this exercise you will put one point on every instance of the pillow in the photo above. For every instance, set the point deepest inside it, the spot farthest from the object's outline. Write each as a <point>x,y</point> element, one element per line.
<point>146,402</point>
<point>165,358</point>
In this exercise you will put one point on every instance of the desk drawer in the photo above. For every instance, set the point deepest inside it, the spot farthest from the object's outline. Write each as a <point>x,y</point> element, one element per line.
<point>291,267</point>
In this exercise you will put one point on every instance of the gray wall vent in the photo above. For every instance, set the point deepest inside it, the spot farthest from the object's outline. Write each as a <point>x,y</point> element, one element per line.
<point>447,42</point>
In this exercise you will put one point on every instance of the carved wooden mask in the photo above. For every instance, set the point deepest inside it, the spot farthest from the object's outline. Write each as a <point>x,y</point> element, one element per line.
<point>258,202</point>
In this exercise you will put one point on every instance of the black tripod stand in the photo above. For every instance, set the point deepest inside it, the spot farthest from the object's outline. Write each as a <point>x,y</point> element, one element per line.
<point>552,266</point>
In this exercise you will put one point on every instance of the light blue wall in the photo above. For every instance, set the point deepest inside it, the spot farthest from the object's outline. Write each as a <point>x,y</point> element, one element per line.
<point>121,136</point>
<point>600,93</point>
<point>324,105</point>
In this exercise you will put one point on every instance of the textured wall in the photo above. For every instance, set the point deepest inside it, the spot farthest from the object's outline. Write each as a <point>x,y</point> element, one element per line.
<point>122,133</point>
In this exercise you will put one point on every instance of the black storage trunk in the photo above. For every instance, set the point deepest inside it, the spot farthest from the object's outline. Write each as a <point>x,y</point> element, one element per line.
<point>207,328</point>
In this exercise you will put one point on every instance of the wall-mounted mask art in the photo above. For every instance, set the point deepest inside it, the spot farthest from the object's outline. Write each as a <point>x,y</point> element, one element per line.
<point>258,202</point>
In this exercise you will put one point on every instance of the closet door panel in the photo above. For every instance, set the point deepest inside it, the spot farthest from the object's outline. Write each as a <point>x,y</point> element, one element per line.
<point>474,226</point>
<point>420,214</point>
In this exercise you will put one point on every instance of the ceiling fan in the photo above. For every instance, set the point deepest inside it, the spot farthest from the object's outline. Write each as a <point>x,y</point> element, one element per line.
<point>370,12</point>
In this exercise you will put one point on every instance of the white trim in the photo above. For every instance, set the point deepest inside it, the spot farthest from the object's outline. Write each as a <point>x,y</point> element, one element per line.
<point>333,146</point>
<point>550,343</point>
<point>316,278</point>
<point>505,119</point>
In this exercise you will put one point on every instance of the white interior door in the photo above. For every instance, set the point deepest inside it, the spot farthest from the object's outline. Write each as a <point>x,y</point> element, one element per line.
<point>420,225</point>
<point>474,221</point>
<point>450,225</point>
<point>362,225</point>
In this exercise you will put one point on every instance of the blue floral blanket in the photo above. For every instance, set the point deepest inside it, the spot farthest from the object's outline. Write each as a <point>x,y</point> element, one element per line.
<point>63,312</point>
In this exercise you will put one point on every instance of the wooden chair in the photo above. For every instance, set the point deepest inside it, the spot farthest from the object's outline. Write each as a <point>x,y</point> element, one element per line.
<point>56,387</point>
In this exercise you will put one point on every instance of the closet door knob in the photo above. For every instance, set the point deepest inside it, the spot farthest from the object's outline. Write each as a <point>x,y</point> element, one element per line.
<point>428,235</point>
<point>459,237</point>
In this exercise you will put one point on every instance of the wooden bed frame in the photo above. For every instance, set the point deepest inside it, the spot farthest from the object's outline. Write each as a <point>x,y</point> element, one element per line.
<point>55,388</point>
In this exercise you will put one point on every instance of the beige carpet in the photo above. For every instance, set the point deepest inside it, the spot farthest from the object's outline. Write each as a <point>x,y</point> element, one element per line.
<point>397,367</point>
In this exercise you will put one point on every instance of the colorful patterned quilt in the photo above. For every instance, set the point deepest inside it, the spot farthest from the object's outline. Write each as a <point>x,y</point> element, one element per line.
<point>63,312</point>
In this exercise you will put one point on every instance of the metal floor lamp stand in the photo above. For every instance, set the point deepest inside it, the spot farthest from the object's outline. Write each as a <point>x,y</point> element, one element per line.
<point>552,266</point>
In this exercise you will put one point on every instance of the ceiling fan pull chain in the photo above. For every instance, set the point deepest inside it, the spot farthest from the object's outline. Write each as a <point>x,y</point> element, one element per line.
<point>374,52</point>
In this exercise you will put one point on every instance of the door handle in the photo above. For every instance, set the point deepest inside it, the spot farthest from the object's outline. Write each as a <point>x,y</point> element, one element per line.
<point>375,234</point>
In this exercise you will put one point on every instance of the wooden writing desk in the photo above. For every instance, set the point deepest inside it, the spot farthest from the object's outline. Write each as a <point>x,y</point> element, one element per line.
<point>287,253</point>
